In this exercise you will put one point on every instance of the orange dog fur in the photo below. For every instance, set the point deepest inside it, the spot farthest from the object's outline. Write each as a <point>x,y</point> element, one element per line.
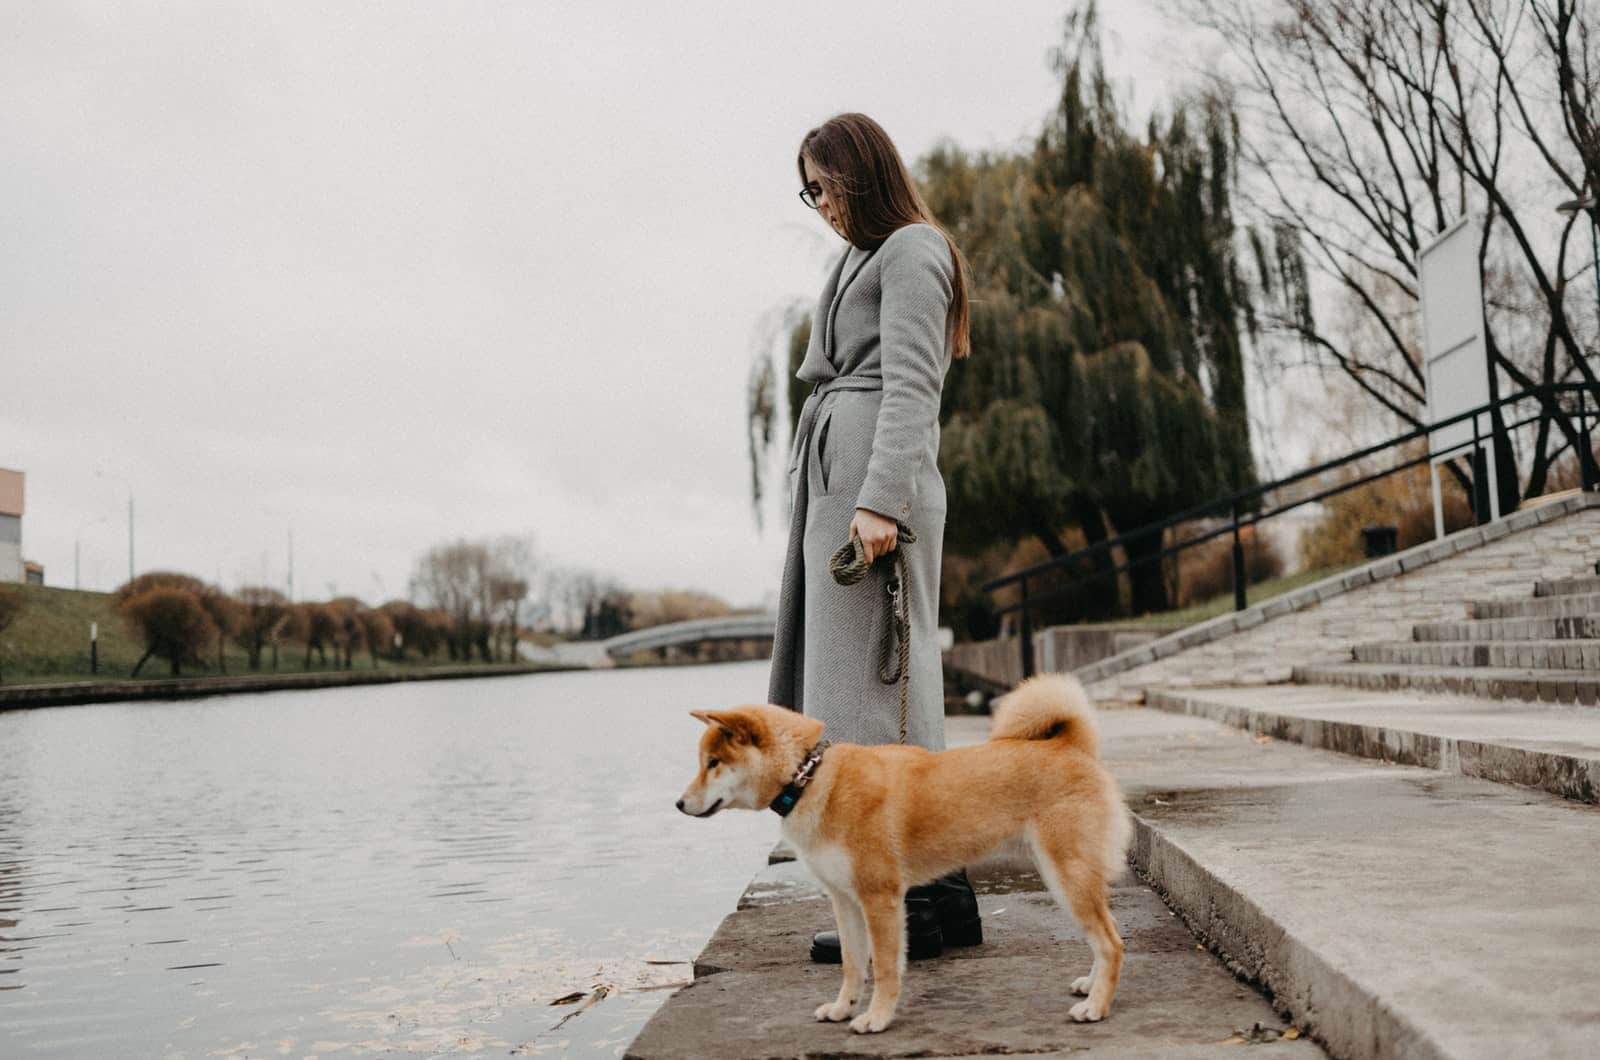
<point>877,820</point>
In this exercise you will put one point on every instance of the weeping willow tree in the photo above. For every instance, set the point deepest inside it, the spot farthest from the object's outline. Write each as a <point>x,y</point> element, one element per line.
<point>1106,386</point>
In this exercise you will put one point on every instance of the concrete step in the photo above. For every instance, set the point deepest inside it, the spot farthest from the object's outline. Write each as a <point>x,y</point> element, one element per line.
<point>1564,586</point>
<point>1532,686</point>
<point>1552,748</point>
<point>1570,627</point>
<point>1390,910</point>
<point>1516,654</point>
<point>1537,606</point>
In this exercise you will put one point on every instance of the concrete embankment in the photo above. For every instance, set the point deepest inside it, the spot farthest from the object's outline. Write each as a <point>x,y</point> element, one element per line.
<point>1394,911</point>
<point>70,693</point>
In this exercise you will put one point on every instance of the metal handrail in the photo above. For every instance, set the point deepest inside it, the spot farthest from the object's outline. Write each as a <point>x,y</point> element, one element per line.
<point>1243,511</point>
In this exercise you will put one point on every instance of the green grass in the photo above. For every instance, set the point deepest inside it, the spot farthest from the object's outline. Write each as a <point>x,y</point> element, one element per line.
<point>1220,605</point>
<point>49,642</point>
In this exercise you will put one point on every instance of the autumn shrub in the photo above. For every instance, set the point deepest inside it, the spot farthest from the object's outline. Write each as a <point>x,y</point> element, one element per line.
<point>157,579</point>
<point>647,609</point>
<point>969,610</point>
<point>377,631</point>
<point>963,606</point>
<point>422,630</point>
<point>1565,474</point>
<point>1403,500</point>
<point>316,625</point>
<point>173,624</point>
<point>265,613</point>
<point>227,615</point>
<point>1205,571</point>
<point>348,630</point>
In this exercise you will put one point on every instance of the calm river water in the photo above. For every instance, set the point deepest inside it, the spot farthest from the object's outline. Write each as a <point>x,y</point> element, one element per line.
<point>402,869</point>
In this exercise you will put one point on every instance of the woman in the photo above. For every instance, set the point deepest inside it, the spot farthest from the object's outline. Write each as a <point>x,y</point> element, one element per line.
<point>865,460</point>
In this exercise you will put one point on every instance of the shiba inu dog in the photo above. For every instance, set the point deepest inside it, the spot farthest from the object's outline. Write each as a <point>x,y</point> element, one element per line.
<point>869,822</point>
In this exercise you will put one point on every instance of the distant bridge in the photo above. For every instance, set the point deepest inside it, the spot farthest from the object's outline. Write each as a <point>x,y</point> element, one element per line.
<point>602,653</point>
<point>694,631</point>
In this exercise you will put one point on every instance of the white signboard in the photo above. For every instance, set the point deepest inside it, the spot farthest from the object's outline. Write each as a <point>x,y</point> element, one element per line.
<point>1455,356</point>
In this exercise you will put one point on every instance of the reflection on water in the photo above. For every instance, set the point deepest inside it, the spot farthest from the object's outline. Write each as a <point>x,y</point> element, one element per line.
<point>406,868</point>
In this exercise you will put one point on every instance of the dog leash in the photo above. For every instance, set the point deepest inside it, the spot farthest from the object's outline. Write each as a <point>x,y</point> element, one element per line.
<point>848,566</point>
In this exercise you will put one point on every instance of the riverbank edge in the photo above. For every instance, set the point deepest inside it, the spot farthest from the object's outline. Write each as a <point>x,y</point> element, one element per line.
<point>79,693</point>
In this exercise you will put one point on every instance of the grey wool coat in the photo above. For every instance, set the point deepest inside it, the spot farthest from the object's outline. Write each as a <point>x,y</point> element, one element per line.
<point>868,437</point>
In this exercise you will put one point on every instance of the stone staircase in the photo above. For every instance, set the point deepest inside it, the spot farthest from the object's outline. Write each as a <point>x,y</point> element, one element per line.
<point>1542,648</point>
<point>1380,806</point>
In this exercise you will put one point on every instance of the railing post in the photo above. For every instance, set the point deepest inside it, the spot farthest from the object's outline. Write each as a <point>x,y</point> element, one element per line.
<point>1239,603</point>
<point>1479,513</point>
<point>1025,630</point>
<point>1586,457</point>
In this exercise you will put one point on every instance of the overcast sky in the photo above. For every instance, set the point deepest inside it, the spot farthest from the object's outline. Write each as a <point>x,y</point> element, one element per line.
<point>387,274</point>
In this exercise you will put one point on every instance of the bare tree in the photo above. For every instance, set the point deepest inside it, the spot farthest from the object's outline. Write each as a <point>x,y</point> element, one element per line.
<point>482,585</point>
<point>514,567</point>
<point>592,602</point>
<point>1370,126</point>
<point>452,577</point>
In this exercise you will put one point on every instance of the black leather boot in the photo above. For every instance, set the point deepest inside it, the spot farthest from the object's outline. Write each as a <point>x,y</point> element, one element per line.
<point>956,907</point>
<point>923,938</point>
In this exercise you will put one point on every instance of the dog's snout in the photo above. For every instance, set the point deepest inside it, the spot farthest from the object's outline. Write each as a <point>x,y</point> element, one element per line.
<point>680,804</point>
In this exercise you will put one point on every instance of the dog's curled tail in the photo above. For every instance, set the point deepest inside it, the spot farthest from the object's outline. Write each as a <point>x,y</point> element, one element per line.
<point>1048,707</point>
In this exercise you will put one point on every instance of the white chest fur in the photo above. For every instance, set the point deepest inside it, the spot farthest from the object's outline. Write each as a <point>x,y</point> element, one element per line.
<point>828,862</point>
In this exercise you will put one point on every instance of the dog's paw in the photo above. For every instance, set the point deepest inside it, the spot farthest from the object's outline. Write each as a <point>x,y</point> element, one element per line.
<point>835,1011</point>
<point>867,1023</point>
<point>1084,1012</point>
<point>1080,985</point>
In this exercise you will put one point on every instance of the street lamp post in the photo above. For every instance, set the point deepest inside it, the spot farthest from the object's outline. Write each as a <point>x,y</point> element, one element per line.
<point>1587,204</point>
<point>77,545</point>
<point>1571,208</point>
<point>103,474</point>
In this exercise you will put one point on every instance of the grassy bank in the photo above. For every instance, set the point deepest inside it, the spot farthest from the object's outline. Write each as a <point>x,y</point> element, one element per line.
<point>49,642</point>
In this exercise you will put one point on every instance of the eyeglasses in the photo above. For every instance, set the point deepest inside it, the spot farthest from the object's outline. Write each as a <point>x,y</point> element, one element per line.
<point>810,194</point>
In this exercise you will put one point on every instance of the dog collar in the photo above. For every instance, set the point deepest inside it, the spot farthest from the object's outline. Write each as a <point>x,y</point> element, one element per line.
<point>795,788</point>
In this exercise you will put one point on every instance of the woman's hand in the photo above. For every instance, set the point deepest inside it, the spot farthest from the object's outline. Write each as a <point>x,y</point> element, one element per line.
<point>877,534</point>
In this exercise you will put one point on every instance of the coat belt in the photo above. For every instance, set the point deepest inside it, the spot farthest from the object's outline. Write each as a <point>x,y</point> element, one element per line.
<point>808,411</point>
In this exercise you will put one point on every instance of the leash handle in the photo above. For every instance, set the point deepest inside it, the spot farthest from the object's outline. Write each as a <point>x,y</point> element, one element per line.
<point>849,566</point>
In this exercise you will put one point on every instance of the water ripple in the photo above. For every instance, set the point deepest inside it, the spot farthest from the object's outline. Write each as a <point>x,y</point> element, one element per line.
<point>348,872</point>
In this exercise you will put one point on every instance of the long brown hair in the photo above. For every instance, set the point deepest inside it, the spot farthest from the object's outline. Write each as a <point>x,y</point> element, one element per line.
<point>873,195</point>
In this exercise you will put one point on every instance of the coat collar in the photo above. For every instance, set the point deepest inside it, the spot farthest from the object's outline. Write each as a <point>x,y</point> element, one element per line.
<point>818,364</point>
<point>833,309</point>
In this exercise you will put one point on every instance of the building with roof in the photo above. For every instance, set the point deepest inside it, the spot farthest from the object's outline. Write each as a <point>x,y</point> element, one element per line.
<point>11,491</point>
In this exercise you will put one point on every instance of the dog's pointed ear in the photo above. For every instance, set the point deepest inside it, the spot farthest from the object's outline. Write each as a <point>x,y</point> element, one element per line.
<point>711,717</point>
<point>737,727</point>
